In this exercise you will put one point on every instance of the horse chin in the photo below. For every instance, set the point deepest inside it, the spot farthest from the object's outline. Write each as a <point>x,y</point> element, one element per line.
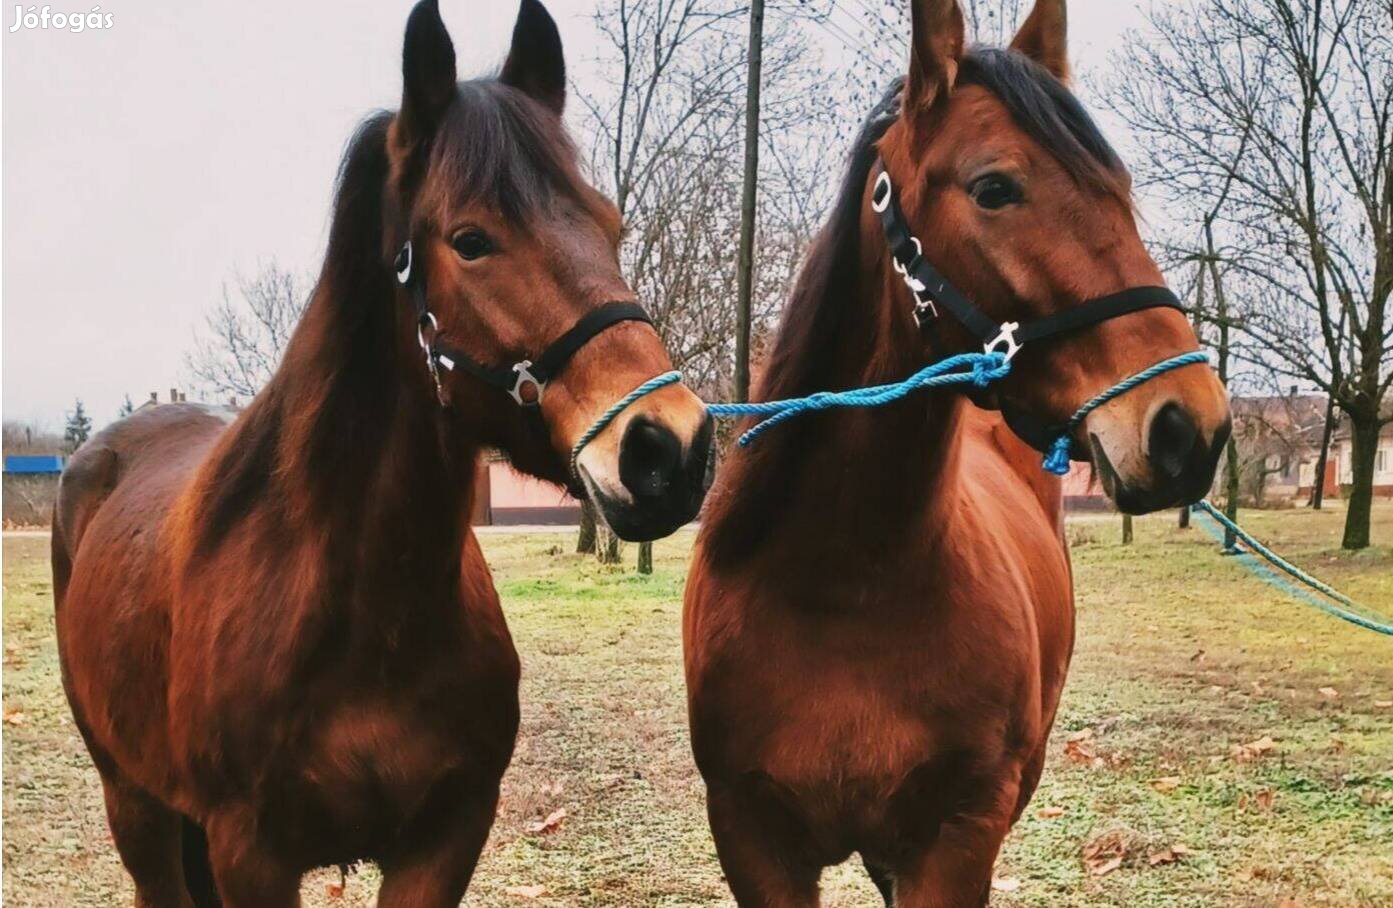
<point>635,522</point>
<point>1132,497</point>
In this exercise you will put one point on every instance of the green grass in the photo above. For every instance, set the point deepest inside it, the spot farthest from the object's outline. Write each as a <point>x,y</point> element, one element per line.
<point>1181,656</point>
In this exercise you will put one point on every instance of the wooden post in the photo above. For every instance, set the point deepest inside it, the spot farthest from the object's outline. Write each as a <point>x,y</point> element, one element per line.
<point>645,558</point>
<point>745,275</point>
<point>1126,529</point>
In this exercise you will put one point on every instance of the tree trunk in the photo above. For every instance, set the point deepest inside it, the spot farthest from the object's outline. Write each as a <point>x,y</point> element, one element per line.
<point>585,540</point>
<point>1318,487</point>
<point>1364,431</point>
<point>1126,529</point>
<point>645,557</point>
<point>1231,494</point>
<point>607,548</point>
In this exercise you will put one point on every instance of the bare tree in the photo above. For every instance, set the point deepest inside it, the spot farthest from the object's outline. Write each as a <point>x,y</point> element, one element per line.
<point>1289,103</point>
<point>242,338</point>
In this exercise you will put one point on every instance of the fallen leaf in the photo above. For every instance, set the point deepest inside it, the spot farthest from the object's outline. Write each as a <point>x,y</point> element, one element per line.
<point>1083,734</point>
<point>1253,750</point>
<point>549,825</point>
<point>1329,693</point>
<point>1104,854</point>
<point>1081,753</point>
<point>1166,784</point>
<point>333,890</point>
<point>1167,855</point>
<point>526,892</point>
<point>15,716</point>
<point>1005,884</point>
<point>1384,704</point>
<point>1105,867</point>
<point>1049,813</point>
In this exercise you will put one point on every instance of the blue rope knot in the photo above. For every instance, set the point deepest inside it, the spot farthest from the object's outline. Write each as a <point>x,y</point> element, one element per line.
<point>1057,460</point>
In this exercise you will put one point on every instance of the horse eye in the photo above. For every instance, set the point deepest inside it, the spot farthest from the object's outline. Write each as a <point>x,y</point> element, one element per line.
<point>994,191</point>
<point>472,244</point>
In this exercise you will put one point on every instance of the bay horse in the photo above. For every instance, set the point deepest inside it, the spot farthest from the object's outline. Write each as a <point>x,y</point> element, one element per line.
<point>279,638</point>
<point>879,614</point>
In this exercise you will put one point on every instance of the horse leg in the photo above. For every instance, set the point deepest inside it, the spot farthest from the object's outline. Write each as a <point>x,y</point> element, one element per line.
<point>882,879</point>
<point>248,872</point>
<point>757,842</point>
<point>956,870</point>
<point>147,836</point>
<point>432,866</point>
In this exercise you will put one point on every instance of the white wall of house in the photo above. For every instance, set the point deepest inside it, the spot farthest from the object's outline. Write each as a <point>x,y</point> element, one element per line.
<point>1383,460</point>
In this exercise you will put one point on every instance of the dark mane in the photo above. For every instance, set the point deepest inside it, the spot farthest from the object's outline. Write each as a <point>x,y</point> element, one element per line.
<point>812,317</point>
<point>503,149</point>
<point>1049,113</point>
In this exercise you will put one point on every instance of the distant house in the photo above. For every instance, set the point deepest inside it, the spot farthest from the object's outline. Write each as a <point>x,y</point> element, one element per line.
<point>1342,453</point>
<point>1278,440</point>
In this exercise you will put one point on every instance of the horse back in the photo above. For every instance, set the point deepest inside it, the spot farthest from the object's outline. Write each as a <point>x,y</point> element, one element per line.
<point>111,591</point>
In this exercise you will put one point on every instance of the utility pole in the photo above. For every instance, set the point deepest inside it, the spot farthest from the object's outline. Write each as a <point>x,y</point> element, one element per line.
<point>746,264</point>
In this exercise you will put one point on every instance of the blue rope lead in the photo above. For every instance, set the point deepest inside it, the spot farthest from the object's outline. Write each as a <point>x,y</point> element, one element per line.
<point>1057,461</point>
<point>1349,613</point>
<point>979,369</point>
<point>648,387</point>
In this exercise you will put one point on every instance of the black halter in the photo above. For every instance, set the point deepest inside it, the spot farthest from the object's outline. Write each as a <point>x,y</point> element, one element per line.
<point>517,378</point>
<point>932,290</point>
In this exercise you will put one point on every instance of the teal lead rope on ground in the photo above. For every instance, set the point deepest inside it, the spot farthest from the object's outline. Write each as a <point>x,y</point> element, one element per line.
<point>1349,612</point>
<point>977,369</point>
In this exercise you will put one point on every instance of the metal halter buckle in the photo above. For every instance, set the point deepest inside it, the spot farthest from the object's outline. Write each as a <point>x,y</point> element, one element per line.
<point>880,193</point>
<point>1007,338</point>
<point>433,359</point>
<point>524,378</point>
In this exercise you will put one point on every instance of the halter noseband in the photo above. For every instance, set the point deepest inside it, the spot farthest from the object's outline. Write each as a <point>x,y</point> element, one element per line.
<point>932,290</point>
<point>517,379</point>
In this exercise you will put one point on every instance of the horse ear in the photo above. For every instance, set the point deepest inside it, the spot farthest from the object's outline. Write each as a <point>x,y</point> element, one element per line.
<point>535,63</point>
<point>935,48</point>
<point>1044,37</point>
<point>428,71</point>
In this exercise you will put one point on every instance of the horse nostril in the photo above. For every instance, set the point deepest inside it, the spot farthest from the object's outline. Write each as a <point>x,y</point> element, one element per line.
<point>650,457</point>
<point>1171,441</point>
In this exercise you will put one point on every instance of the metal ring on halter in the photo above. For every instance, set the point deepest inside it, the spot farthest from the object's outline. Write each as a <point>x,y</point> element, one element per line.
<point>525,378</point>
<point>1006,338</point>
<point>880,193</point>
<point>903,270</point>
<point>426,318</point>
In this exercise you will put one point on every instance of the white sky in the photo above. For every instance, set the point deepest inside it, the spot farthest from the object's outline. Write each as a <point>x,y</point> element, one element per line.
<point>143,164</point>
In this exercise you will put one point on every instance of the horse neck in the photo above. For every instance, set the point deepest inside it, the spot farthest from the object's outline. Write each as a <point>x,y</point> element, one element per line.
<point>361,462</point>
<point>859,478</point>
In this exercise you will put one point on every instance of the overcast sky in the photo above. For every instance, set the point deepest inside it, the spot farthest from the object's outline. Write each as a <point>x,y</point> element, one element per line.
<point>145,162</point>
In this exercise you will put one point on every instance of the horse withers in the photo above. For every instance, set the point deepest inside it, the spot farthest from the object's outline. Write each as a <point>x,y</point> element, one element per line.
<point>279,637</point>
<point>879,615</point>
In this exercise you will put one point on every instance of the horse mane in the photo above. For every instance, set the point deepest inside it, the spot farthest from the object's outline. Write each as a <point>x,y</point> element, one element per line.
<point>498,147</point>
<point>1050,114</point>
<point>331,372</point>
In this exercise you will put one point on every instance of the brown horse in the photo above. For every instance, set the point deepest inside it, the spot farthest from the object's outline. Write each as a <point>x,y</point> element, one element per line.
<point>279,637</point>
<point>880,614</point>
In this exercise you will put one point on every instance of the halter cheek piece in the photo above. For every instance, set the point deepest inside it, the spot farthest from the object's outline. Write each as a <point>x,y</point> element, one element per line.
<point>526,380</point>
<point>932,290</point>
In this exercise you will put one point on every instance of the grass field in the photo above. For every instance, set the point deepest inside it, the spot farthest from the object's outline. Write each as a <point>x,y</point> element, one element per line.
<point>1204,709</point>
